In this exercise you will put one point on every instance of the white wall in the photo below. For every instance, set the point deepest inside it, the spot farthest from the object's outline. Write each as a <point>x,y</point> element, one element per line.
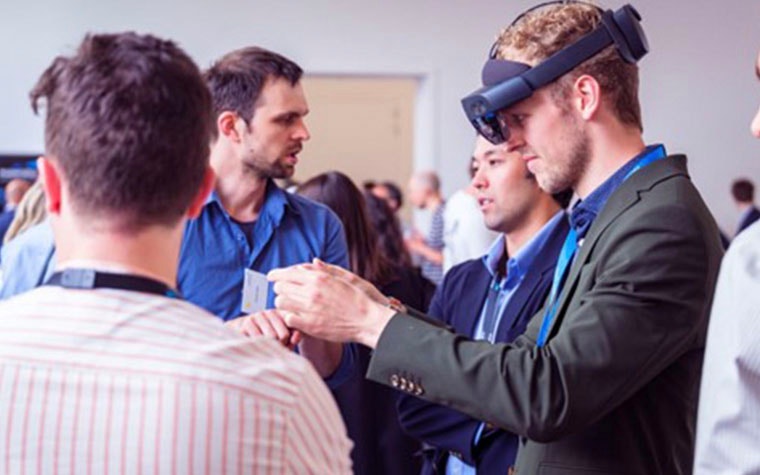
<point>698,87</point>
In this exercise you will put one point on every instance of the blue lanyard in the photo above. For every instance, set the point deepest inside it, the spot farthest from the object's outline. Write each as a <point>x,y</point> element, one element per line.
<point>570,247</point>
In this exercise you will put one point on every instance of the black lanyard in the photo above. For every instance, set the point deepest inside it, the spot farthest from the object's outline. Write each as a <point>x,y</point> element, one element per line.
<point>92,279</point>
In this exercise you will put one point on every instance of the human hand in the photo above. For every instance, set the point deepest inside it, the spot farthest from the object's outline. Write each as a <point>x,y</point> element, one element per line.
<point>336,271</point>
<point>268,323</point>
<point>328,306</point>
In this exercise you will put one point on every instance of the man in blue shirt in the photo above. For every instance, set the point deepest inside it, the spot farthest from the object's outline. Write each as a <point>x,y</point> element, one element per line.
<point>492,299</point>
<point>248,221</point>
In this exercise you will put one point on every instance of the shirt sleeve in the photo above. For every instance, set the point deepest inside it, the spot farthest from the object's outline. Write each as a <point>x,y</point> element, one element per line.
<point>729,407</point>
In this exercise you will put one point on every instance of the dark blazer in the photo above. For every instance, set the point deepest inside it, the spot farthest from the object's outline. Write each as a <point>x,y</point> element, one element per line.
<point>458,302</point>
<point>615,388</point>
<point>751,217</point>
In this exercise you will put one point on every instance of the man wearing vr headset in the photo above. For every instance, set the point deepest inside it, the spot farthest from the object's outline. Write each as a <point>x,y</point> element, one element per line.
<point>605,379</point>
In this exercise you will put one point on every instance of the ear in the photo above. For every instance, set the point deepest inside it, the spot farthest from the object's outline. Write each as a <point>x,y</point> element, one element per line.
<point>587,96</point>
<point>51,183</point>
<point>200,199</point>
<point>230,125</point>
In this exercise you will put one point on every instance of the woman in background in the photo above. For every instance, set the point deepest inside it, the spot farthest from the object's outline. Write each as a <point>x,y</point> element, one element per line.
<point>368,408</point>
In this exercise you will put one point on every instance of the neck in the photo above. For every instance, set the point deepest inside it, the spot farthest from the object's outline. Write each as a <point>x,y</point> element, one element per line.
<point>610,150</point>
<point>744,206</point>
<point>515,239</point>
<point>152,252</point>
<point>240,189</point>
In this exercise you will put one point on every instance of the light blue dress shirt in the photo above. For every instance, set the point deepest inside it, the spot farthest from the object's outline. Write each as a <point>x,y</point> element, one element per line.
<point>517,266</point>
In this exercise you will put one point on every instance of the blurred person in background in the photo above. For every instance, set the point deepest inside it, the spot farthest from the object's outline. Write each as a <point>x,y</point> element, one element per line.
<point>743,192</point>
<point>425,193</point>
<point>14,192</point>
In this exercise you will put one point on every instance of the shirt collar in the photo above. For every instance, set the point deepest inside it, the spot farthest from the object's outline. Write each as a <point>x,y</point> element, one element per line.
<point>585,211</point>
<point>518,265</point>
<point>275,202</point>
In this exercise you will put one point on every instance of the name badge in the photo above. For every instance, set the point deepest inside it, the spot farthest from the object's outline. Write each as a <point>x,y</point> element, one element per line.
<point>255,288</point>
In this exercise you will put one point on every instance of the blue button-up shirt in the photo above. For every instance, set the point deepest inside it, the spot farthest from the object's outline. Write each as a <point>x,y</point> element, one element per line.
<point>516,268</point>
<point>215,252</point>
<point>585,212</point>
<point>290,230</point>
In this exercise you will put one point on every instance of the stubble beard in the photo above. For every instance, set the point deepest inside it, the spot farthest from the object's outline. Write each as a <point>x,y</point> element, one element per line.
<point>566,174</point>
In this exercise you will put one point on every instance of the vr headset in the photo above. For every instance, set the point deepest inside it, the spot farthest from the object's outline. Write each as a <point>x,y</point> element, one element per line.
<point>509,82</point>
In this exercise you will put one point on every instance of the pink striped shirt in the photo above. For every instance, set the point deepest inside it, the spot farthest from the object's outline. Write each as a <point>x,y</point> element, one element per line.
<point>117,382</point>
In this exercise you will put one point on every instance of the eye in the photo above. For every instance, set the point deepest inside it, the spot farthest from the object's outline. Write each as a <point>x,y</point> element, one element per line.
<point>288,119</point>
<point>517,120</point>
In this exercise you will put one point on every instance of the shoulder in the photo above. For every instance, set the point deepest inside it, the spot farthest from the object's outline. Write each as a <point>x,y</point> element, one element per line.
<point>465,268</point>
<point>457,275</point>
<point>742,259</point>
<point>310,211</point>
<point>39,237</point>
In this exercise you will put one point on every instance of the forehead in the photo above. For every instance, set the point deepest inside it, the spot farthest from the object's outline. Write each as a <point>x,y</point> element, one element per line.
<point>278,96</point>
<point>484,148</point>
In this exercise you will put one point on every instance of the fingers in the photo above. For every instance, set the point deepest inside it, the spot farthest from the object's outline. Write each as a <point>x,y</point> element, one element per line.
<point>268,324</point>
<point>299,274</point>
<point>295,338</point>
<point>235,324</point>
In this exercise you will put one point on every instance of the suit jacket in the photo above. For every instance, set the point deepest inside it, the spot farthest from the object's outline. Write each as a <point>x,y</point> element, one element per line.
<point>458,302</point>
<point>751,217</point>
<point>615,388</point>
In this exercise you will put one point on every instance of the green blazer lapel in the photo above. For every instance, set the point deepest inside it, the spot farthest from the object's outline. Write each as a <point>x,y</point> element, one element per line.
<point>626,196</point>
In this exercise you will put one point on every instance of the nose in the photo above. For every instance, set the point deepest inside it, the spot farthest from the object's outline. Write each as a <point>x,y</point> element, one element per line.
<point>479,181</point>
<point>302,132</point>
<point>755,127</point>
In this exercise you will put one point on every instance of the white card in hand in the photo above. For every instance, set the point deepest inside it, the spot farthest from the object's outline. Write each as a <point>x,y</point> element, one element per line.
<point>255,288</point>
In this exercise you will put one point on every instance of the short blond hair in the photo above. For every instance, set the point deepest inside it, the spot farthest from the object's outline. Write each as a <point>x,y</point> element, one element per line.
<point>542,32</point>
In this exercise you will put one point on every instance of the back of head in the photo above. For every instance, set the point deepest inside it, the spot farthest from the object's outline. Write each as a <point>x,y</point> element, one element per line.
<point>394,193</point>
<point>743,191</point>
<point>541,32</point>
<point>129,124</point>
<point>338,192</point>
<point>428,180</point>
<point>15,190</point>
<point>237,79</point>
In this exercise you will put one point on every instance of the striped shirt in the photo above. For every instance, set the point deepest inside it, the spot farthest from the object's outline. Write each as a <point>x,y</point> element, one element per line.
<point>434,240</point>
<point>728,421</point>
<point>112,381</point>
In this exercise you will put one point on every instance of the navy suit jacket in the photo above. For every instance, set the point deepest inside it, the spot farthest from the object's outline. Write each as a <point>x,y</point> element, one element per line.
<point>458,302</point>
<point>752,216</point>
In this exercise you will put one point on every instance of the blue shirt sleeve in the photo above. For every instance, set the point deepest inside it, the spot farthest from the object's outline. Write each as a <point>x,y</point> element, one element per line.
<point>27,261</point>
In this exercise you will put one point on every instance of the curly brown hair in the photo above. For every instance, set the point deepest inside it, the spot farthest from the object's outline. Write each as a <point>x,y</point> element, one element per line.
<point>544,31</point>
